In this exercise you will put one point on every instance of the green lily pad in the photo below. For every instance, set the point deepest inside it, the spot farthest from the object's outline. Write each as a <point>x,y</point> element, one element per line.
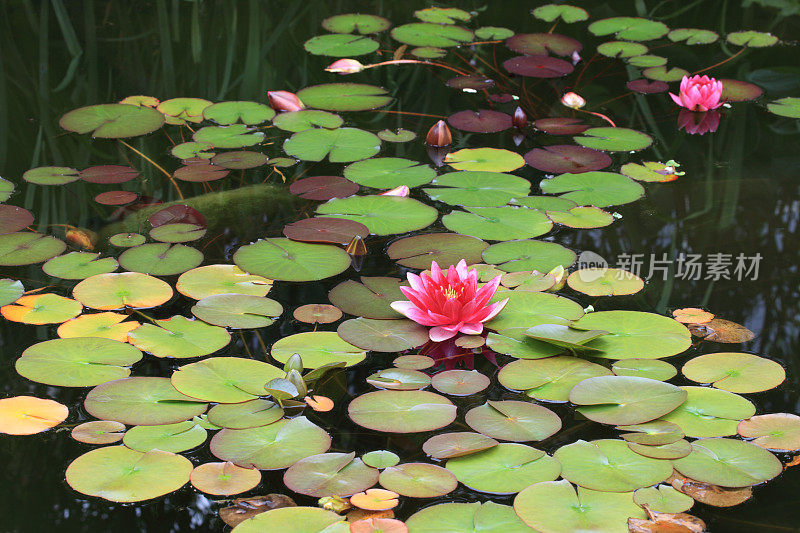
<point>605,282</point>
<point>629,28</point>
<point>601,189</point>
<point>649,171</point>
<point>645,368</point>
<point>380,459</point>
<point>126,240</point>
<point>225,379</point>
<point>383,215</point>
<point>306,119</point>
<point>418,251</point>
<point>458,444</point>
<point>178,232</point>
<point>551,204</point>
<point>77,362</point>
<point>160,259</point>
<point>179,111</point>
<point>614,140</point>
<point>610,466</point>
<point>211,280</point>
<point>567,13</point>
<point>460,382</point>
<point>389,172</point>
<point>774,431</point>
<point>41,309</point>
<point>432,34</point>
<point>340,145</point>
<point>664,74</point>
<point>498,223</point>
<point>442,15</point>
<point>271,447</point>
<point>512,341</point>
<point>647,61</point>
<point>344,96</point>
<point>237,311</point>
<point>79,265</point>
<point>370,298</point>
<point>550,379</point>
<point>621,49</point>
<point>112,121</point>
<point>10,291</point>
<point>636,335</point>
<point>478,189</point>
<point>330,474</point>
<point>488,517</point>
<point>117,290</point>
<point>141,401</point>
<point>624,400</point>
<point>582,217</point>
<point>98,432</point>
<point>340,45</point>
<point>119,474</point>
<point>752,39</point>
<point>663,499</point>
<point>28,248</point>
<point>174,438</point>
<point>285,260</point>
<point>383,335</point>
<point>728,463</point>
<point>227,113</point>
<point>317,348</point>
<point>564,336</point>
<point>241,159</point>
<point>525,255</point>
<point>179,337</point>
<point>674,450</point>
<point>6,189</point>
<point>528,308</point>
<point>692,36</point>
<point>735,372</point>
<point>399,379</point>
<point>484,159</point>
<point>298,519</point>
<point>50,175</point>
<point>504,469</point>
<point>418,480</point>
<point>189,150</point>
<point>402,411</point>
<point>513,420</point>
<point>554,506</point>
<point>428,52</point>
<point>356,22</point>
<point>399,135</point>
<point>710,412</point>
<point>233,136</point>
<point>785,107</point>
<point>655,433</point>
<point>244,415</point>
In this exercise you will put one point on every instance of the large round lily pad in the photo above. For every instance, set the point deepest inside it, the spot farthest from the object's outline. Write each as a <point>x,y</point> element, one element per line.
<point>344,97</point>
<point>383,215</point>
<point>498,223</point>
<point>383,335</point>
<point>520,256</point>
<point>173,438</point>
<point>605,282</point>
<point>432,34</point>
<point>237,311</point>
<point>559,159</point>
<point>402,411</point>
<point>79,265</point>
<point>629,28</point>
<point>119,474</point>
<point>504,469</point>
<point>478,189</point>
<point>330,474</point>
<point>112,121</point>
<point>418,480</point>
<point>710,412</point>
<point>614,139</point>
<point>623,400</point>
<point>296,519</point>
<point>528,308</point>
<point>370,298</point>
<point>209,280</point>
<point>224,479</point>
<point>126,289</point>
<point>728,463</point>
<point>50,176</point>
<point>325,230</point>
<point>41,309</point>
<point>735,372</point>
<point>179,337</point>
<point>356,22</point>
<point>418,251</point>
<point>634,334</point>
<point>513,420</point>
<point>389,172</point>
<point>484,159</point>
<point>340,145</point>
<point>160,259</point>
<point>285,260</point>
<point>226,113</point>
<point>225,379</point>
<point>490,517</point>
<point>600,189</point>
<point>774,431</point>
<point>551,378</point>
<point>317,348</point>
<point>27,248</point>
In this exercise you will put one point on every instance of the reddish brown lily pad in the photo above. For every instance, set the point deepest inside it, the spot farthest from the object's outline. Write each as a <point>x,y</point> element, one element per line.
<point>481,121</point>
<point>108,174</point>
<point>200,172</point>
<point>569,158</point>
<point>322,229</point>
<point>477,83</point>
<point>739,91</point>
<point>116,197</point>
<point>540,44</point>
<point>561,125</point>
<point>538,66</point>
<point>13,218</point>
<point>323,188</point>
<point>240,159</point>
<point>645,86</point>
<point>317,313</point>
<point>177,214</point>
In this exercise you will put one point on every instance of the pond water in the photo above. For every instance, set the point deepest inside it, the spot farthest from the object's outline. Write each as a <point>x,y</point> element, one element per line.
<point>735,203</point>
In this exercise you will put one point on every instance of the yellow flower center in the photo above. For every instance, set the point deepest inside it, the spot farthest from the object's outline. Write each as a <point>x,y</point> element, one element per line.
<point>451,293</point>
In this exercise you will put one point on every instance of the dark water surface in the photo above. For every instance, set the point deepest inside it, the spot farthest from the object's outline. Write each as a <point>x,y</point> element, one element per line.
<point>740,195</point>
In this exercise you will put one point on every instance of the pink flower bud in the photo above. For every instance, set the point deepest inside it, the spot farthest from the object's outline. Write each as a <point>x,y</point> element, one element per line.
<point>345,66</point>
<point>575,101</point>
<point>520,119</point>
<point>402,190</point>
<point>439,135</point>
<point>284,101</point>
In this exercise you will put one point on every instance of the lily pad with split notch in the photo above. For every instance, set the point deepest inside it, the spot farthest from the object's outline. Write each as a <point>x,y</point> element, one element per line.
<point>271,447</point>
<point>322,188</point>
<point>418,251</point>
<point>179,337</point>
<point>674,450</point>
<point>108,174</point>
<point>567,13</point>
<point>614,139</point>
<point>558,159</point>
<point>370,298</point>
<point>344,97</point>
<point>301,519</point>
<point>504,469</point>
<point>418,480</point>
<point>317,348</point>
<point>692,36</point>
<point>225,380</point>
<point>160,259</point>
<point>525,255</point>
<point>710,412</point>
<point>233,136</point>
<point>625,400</point>
<point>480,121</point>
<point>629,28</point>
<point>141,401</point>
<point>240,159</point>
<point>41,309</point>
<point>600,189</point>
<point>663,499</point>
<point>728,463</point>
<point>752,39</point>
<point>200,172</point>
<point>27,248</point>
<point>774,431</point>
<point>543,44</point>
<point>432,34</point>
<point>98,432</point>
<point>402,411</point>
<point>513,420</point>
<point>605,282</point>
<point>112,121</point>
<point>458,444</point>
<point>224,479</point>
<point>244,415</point>
<point>172,233</point>
<point>210,280</point>
<point>498,223</point>
<point>174,438</point>
<point>583,217</point>
<point>478,189</point>
<point>549,379</point>
<point>665,74</point>
<point>655,433</point>
<point>561,125</point>
<point>389,172</point>
<point>485,159</point>
<point>490,517</point>
<point>330,474</point>
<point>317,314</point>
<point>237,311</point>
<point>340,45</point>
<point>399,379</point>
<point>529,308</point>
<point>286,260</point>
<point>442,15</point>
<point>636,335</point>
<point>356,22</point>
<point>380,459</point>
<point>735,372</point>
<point>785,107</point>
<point>227,113</point>
<point>564,336</point>
<point>645,368</point>
<point>325,230</point>
<point>125,289</point>
<point>383,335</point>
<point>399,135</point>
<point>538,66</point>
<point>383,215</point>
<point>306,119</point>
<point>460,382</point>
<point>621,49</point>
<point>79,265</point>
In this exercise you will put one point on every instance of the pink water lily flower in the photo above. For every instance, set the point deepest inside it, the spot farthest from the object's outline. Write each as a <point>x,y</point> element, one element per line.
<point>699,93</point>
<point>449,302</point>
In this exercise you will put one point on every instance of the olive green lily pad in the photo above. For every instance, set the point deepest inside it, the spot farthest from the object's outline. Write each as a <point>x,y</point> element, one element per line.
<point>173,438</point>
<point>528,308</point>
<point>418,480</point>
<point>141,400</point>
<point>383,215</point>
<point>317,348</point>
<point>564,336</point>
<point>399,135</point>
<point>484,159</point>
<point>513,420</point>
<point>512,341</point>
<point>237,311</point>
<point>710,412</point>
<point>418,251</point>
<point>629,28</point>
<point>673,450</point>
<point>126,289</point>
<point>460,382</point>
<point>645,368</point>
<point>647,61</point>
<point>50,175</point>
<point>224,478</point>
<point>504,469</point>
<point>77,362</point>
<point>728,463</point>
<point>6,189</point>
<point>498,223</point>
<point>26,248</point>
<point>383,335</point>
<point>225,379</point>
<point>774,431</point>
<point>119,474</point>
<point>663,499</point>
<point>226,113</point>
<point>399,379</point>
<point>610,466</point>
<point>567,13</point>
<point>306,119</point>
<point>601,189</point>
<point>691,36</point>
<point>752,39</point>
<point>79,265</point>
<point>785,107</point>
<point>380,459</point>
<point>249,414</point>
<point>330,474</point>
<point>478,189</point>
<point>402,411</point>
<point>605,282</point>
<point>389,172</point>
<point>98,432</point>
<point>179,337</point>
<point>296,519</point>
<point>614,139</point>
<point>370,298</point>
<point>549,379</point>
<point>10,291</point>
<point>233,136</point>
<point>636,335</point>
<point>178,232</point>
<point>458,444</point>
<point>432,34</point>
<point>735,372</point>
<point>286,260</point>
<point>126,240</point>
<point>488,517</point>
<point>41,309</point>
<point>664,74</point>
<point>621,49</point>
<point>344,97</point>
<point>623,400</point>
<point>555,506</point>
<point>356,22</point>
<point>210,280</point>
<point>271,447</point>
<point>193,149</point>
<point>655,433</point>
<point>112,121</point>
<point>525,255</point>
<point>160,259</point>
<point>582,217</point>
<point>340,45</point>
<point>442,15</point>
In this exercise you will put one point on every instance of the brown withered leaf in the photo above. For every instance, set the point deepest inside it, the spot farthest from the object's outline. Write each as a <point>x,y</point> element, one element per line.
<point>666,523</point>
<point>720,330</point>
<point>244,508</point>
<point>711,494</point>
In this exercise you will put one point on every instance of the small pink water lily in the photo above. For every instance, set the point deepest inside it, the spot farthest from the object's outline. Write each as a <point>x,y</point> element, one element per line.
<point>345,66</point>
<point>402,190</point>
<point>449,302</point>
<point>699,93</point>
